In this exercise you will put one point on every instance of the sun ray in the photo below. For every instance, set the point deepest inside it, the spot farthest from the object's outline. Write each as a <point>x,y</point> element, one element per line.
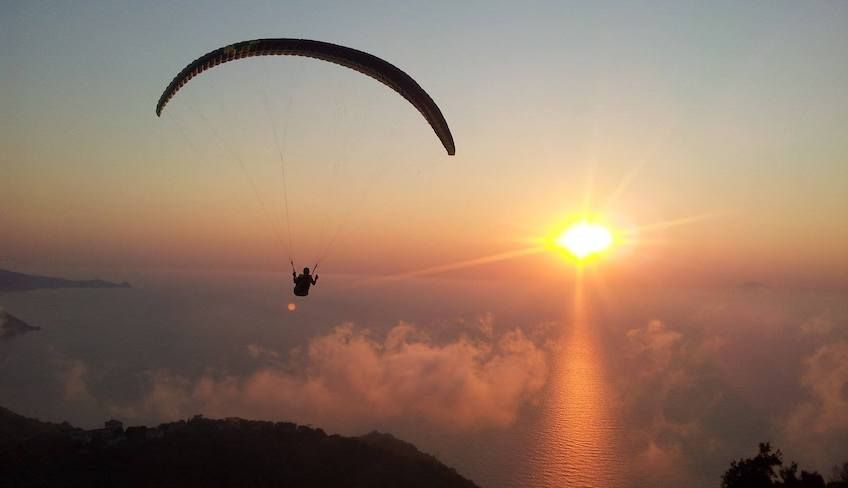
<point>588,192</point>
<point>654,242</point>
<point>598,284</point>
<point>468,263</point>
<point>624,185</point>
<point>676,222</point>
<point>651,154</point>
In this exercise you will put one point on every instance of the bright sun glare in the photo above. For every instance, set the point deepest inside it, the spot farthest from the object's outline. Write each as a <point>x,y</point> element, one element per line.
<point>584,239</point>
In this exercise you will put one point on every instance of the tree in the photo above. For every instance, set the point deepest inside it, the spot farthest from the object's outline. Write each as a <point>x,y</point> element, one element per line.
<point>756,472</point>
<point>766,470</point>
<point>790,478</point>
<point>839,479</point>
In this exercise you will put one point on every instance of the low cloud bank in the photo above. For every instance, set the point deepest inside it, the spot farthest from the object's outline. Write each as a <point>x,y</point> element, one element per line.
<point>676,404</point>
<point>819,424</point>
<point>717,375</point>
<point>349,377</point>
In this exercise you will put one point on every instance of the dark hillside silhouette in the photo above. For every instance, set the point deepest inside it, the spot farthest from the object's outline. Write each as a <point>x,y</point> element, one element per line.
<point>14,281</point>
<point>210,453</point>
<point>11,326</point>
<point>16,428</point>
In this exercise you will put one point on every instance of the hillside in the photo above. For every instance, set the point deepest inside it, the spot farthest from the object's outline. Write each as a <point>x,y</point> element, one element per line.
<point>210,453</point>
<point>14,281</point>
<point>11,326</point>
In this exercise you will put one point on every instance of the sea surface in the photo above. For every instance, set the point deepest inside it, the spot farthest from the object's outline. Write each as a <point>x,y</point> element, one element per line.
<point>639,386</point>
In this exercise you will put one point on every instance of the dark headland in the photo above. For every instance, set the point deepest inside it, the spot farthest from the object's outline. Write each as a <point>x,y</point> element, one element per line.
<point>210,453</point>
<point>14,281</point>
<point>11,326</point>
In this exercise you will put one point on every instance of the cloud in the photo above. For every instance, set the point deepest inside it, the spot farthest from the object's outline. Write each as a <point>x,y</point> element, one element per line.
<point>817,427</point>
<point>821,325</point>
<point>826,378</point>
<point>348,377</point>
<point>653,345</point>
<point>682,417</point>
<point>74,377</point>
<point>264,354</point>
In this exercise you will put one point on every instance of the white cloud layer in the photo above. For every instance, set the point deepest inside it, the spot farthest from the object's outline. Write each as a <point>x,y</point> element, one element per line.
<point>348,377</point>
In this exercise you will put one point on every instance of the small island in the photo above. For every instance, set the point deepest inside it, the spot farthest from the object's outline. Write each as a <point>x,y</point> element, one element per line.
<point>211,453</point>
<point>14,281</point>
<point>11,326</point>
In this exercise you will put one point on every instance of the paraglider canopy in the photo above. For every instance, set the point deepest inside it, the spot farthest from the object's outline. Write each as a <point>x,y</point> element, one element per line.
<point>362,62</point>
<point>367,64</point>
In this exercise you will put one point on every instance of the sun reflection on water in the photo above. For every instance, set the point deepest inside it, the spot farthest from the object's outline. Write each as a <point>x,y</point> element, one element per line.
<point>575,443</point>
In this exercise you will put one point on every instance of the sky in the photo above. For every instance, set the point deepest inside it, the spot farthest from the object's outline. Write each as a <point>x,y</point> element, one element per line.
<point>709,138</point>
<point>645,113</point>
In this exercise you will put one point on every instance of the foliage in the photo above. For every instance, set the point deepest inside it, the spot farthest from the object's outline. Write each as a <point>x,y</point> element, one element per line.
<point>766,470</point>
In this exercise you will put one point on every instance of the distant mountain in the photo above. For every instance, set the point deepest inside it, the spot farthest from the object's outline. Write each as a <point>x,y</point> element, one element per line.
<point>12,281</point>
<point>210,453</point>
<point>10,326</point>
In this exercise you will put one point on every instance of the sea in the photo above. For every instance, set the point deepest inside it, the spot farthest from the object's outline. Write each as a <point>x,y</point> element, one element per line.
<point>570,384</point>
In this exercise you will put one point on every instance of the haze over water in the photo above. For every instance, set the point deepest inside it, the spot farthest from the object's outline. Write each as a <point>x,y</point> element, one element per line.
<point>541,389</point>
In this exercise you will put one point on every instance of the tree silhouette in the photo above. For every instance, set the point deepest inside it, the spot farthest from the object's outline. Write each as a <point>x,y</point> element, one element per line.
<point>766,470</point>
<point>756,472</point>
<point>840,477</point>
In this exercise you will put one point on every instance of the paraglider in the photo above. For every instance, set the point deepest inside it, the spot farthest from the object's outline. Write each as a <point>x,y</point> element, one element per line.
<point>367,64</point>
<point>303,281</point>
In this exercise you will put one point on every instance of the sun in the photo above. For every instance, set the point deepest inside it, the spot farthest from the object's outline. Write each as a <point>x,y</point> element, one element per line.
<point>584,239</point>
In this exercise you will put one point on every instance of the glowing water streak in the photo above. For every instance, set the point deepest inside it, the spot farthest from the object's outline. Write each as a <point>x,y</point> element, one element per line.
<point>576,441</point>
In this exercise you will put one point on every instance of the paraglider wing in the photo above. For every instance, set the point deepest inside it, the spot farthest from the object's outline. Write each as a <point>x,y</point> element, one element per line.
<point>382,71</point>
